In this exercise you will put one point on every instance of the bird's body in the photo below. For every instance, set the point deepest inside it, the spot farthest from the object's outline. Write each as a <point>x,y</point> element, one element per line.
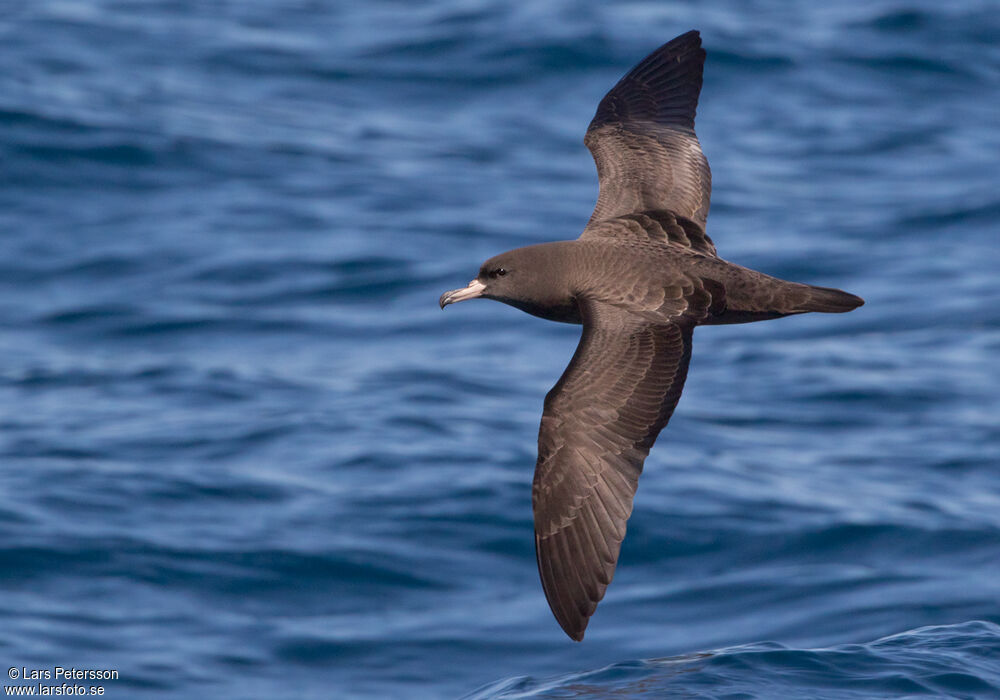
<point>640,278</point>
<point>656,281</point>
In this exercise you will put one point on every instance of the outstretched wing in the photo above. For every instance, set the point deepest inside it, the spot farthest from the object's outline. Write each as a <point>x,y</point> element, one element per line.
<point>600,420</point>
<point>643,141</point>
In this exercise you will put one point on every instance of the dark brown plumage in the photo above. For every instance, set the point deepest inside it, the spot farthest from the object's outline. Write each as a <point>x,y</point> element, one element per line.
<point>641,276</point>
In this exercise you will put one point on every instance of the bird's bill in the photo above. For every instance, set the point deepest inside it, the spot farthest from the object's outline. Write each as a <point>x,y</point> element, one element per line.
<point>473,290</point>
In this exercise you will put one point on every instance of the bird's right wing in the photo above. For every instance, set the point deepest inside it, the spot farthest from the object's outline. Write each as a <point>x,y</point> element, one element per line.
<point>643,141</point>
<point>600,420</point>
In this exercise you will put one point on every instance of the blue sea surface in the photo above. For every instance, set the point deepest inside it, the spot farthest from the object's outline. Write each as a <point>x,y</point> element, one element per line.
<point>243,453</point>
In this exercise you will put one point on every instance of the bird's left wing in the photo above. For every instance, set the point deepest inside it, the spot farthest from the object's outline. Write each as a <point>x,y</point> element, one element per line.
<point>599,422</point>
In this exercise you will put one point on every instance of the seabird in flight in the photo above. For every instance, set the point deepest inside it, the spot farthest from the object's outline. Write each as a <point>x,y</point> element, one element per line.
<point>639,279</point>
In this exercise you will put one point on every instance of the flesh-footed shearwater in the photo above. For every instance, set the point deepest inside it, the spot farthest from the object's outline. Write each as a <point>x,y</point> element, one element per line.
<point>639,278</point>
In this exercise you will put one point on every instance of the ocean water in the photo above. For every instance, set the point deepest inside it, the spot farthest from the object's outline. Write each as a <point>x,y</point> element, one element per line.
<point>243,454</point>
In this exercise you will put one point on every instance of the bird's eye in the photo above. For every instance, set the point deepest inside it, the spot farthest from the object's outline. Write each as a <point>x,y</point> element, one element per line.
<point>500,272</point>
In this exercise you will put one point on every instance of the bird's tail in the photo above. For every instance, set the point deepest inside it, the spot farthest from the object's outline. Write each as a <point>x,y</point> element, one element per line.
<point>828,300</point>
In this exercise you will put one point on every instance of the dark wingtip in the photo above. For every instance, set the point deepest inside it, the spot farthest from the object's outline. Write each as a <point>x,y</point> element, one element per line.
<point>574,631</point>
<point>690,35</point>
<point>662,87</point>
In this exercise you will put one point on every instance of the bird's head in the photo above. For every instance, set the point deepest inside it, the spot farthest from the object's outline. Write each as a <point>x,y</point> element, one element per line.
<point>497,279</point>
<point>532,279</point>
